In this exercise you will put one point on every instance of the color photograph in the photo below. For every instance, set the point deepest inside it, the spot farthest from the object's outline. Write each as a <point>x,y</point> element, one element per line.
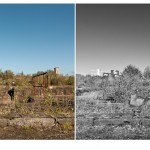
<point>37,71</point>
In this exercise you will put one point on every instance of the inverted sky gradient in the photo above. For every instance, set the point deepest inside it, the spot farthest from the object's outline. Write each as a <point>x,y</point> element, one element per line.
<point>37,37</point>
<point>112,36</point>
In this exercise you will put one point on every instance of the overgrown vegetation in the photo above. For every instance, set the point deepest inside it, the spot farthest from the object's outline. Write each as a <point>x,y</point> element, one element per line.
<point>104,110</point>
<point>49,102</point>
<point>58,79</point>
<point>121,87</point>
<point>21,79</point>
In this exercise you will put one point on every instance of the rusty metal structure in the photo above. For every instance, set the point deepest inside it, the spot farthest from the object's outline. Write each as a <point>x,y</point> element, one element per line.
<point>111,74</point>
<point>40,83</point>
<point>58,95</point>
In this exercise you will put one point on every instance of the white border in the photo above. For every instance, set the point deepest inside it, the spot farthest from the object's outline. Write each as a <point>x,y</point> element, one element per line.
<point>73,144</point>
<point>73,1</point>
<point>75,71</point>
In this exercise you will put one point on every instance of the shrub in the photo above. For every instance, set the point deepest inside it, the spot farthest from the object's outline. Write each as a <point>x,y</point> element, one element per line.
<point>146,73</point>
<point>131,71</point>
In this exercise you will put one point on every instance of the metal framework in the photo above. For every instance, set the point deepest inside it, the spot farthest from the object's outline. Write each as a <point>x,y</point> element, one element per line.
<point>40,83</point>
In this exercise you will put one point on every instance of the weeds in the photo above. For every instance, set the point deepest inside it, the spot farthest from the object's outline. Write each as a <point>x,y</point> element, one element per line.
<point>67,127</point>
<point>26,128</point>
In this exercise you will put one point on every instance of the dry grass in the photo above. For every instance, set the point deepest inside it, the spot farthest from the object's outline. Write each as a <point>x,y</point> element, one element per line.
<point>98,120</point>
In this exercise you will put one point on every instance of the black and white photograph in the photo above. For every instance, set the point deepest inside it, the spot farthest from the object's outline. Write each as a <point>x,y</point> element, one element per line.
<point>112,71</point>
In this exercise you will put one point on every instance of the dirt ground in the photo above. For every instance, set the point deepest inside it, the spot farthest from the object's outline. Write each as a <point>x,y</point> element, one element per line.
<point>24,133</point>
<point>99,120</point>
<point>111,132</point>
<point>37,121</point>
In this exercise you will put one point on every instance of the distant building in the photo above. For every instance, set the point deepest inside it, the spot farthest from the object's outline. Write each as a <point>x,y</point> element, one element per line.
<point>95,72</point>
<point>57,70</point>
<point>98,72</point>
<point>111,75</point>
<point>42,81</point>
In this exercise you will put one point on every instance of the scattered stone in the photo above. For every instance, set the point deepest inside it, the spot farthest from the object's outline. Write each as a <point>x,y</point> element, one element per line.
<point>135,101</point>
<point>33,122</point>
<point>4,122</point>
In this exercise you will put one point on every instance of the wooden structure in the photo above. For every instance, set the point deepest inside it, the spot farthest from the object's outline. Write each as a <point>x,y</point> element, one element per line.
<point>59,96</point>
<point>40,83</point>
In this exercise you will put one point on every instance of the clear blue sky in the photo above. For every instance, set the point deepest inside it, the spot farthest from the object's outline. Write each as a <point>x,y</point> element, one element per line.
<point>37,37</point>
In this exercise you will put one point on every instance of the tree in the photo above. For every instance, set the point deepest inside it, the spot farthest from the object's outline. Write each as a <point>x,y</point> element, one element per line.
<point>132,71</point>
<point>147,72</point>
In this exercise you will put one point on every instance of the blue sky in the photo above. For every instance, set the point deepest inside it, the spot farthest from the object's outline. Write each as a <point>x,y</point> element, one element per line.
<point>37,37</point>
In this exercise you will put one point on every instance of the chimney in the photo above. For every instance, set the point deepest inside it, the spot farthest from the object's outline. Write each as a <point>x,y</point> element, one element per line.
<point>57,70</point>
<point>98,72</point>
<point>117,72</point>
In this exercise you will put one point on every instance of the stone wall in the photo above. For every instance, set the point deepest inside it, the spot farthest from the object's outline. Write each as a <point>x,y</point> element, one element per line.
<point>19,93</point>
<point>96,119</point>
<point>35,122</point>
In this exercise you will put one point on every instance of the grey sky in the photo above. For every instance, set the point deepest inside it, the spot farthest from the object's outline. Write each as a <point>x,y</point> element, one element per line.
<point>112,36</point>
